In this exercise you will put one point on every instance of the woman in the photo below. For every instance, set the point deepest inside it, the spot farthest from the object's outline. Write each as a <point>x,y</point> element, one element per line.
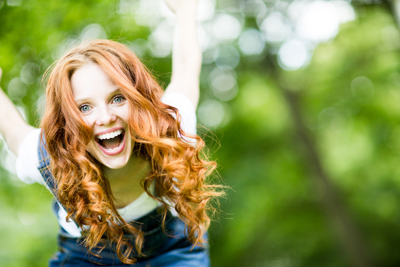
<point>120,155</point>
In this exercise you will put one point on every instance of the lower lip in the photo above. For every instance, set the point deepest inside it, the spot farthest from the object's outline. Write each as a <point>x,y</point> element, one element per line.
<point>114,151</point>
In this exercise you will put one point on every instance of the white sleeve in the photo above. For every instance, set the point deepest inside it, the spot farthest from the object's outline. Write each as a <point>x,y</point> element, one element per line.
<point>185,108</point>
<point>27,161</point>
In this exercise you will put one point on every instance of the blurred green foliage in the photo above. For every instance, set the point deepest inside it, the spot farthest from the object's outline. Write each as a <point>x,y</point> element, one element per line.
<point>349,101</point>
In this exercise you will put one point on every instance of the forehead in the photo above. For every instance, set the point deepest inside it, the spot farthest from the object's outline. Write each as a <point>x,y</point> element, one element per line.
<point>90,80</point>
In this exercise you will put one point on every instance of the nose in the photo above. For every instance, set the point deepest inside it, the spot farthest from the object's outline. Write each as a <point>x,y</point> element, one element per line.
<point>105,116</point>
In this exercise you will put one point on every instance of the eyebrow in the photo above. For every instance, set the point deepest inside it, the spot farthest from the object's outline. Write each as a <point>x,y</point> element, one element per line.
<point>87,99</point>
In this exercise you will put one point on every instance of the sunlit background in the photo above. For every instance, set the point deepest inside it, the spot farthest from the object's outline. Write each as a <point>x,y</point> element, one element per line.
<point>300,106</point>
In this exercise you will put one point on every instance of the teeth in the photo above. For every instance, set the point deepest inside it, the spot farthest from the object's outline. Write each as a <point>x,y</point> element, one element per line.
<point>109,135</point>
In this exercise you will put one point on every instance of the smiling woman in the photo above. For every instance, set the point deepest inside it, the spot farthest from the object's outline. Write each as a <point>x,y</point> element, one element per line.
<point>104,109</point>
<point>117,153</point>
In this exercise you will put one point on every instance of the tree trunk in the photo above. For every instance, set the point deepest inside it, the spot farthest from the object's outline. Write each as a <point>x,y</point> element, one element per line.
<point>348,235</point>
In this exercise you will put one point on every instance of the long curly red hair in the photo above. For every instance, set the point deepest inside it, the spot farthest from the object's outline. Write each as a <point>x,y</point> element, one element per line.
<point>179,169</point>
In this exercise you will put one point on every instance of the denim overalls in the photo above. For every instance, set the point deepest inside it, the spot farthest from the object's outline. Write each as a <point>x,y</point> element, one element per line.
<point>161,249</point>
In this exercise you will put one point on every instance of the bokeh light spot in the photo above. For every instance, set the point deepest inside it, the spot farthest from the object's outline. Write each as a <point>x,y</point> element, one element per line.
<point>226,27</point>
<point>16,88</point>
<point>14,2</point>
<point>161,40</point>
<point>126,6</point>
<point>251,42</point>
<point>226,56</point>
<point>144,12</point>
<point>211,113</point>
<point>204,38</point>
<point>320,20</point>
<point>276,28</point>
<point>205,10</point>
<point>293,55</point>
<point>223,84</point>
<point>93,31</point>
<point>29,73</point>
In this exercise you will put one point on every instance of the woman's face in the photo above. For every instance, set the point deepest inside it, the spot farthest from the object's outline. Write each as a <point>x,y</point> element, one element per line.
<point>106,111</point>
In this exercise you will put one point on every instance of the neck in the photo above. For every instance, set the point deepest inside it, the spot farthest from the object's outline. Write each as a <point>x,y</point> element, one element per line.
<point>125,182</point>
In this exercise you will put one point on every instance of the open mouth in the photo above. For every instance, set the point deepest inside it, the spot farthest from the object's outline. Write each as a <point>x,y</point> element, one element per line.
<point>111,141</point>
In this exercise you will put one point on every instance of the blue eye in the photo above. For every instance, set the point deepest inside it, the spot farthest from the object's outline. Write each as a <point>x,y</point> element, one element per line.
<point>85,108</point>
<point>118,99</point>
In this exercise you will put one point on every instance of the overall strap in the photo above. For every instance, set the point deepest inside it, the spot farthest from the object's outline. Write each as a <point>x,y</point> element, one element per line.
<point>44,169</point>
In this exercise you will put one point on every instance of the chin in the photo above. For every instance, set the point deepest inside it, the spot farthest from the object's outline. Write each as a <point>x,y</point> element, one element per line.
<point>114,164</point>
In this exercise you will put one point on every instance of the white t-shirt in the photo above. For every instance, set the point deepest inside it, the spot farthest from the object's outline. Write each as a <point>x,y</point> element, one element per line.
<point>27,165</point>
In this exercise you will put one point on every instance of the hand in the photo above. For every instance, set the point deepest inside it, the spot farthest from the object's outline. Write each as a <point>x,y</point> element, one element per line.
<point>181,5</point>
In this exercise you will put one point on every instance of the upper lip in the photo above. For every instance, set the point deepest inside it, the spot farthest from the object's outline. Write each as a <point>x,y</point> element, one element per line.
<point>109,130</point>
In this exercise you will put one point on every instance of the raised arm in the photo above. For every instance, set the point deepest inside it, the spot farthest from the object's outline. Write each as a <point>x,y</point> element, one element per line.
<point>186,53</point>
<point>12,126</point>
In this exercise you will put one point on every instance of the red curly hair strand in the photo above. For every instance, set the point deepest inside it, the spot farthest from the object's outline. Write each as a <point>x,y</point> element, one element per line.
<point>179,169</point>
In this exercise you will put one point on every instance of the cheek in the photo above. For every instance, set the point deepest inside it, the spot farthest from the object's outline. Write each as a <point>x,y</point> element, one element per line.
<point>123,113</point>
<point>89,120</point>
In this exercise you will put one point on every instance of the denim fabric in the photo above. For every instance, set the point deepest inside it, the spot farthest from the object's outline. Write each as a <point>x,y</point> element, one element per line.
<point>161,249</point>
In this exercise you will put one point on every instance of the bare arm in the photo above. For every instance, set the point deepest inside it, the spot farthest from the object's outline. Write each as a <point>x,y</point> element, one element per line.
<point>12,125</point>
<point>186,53</point>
